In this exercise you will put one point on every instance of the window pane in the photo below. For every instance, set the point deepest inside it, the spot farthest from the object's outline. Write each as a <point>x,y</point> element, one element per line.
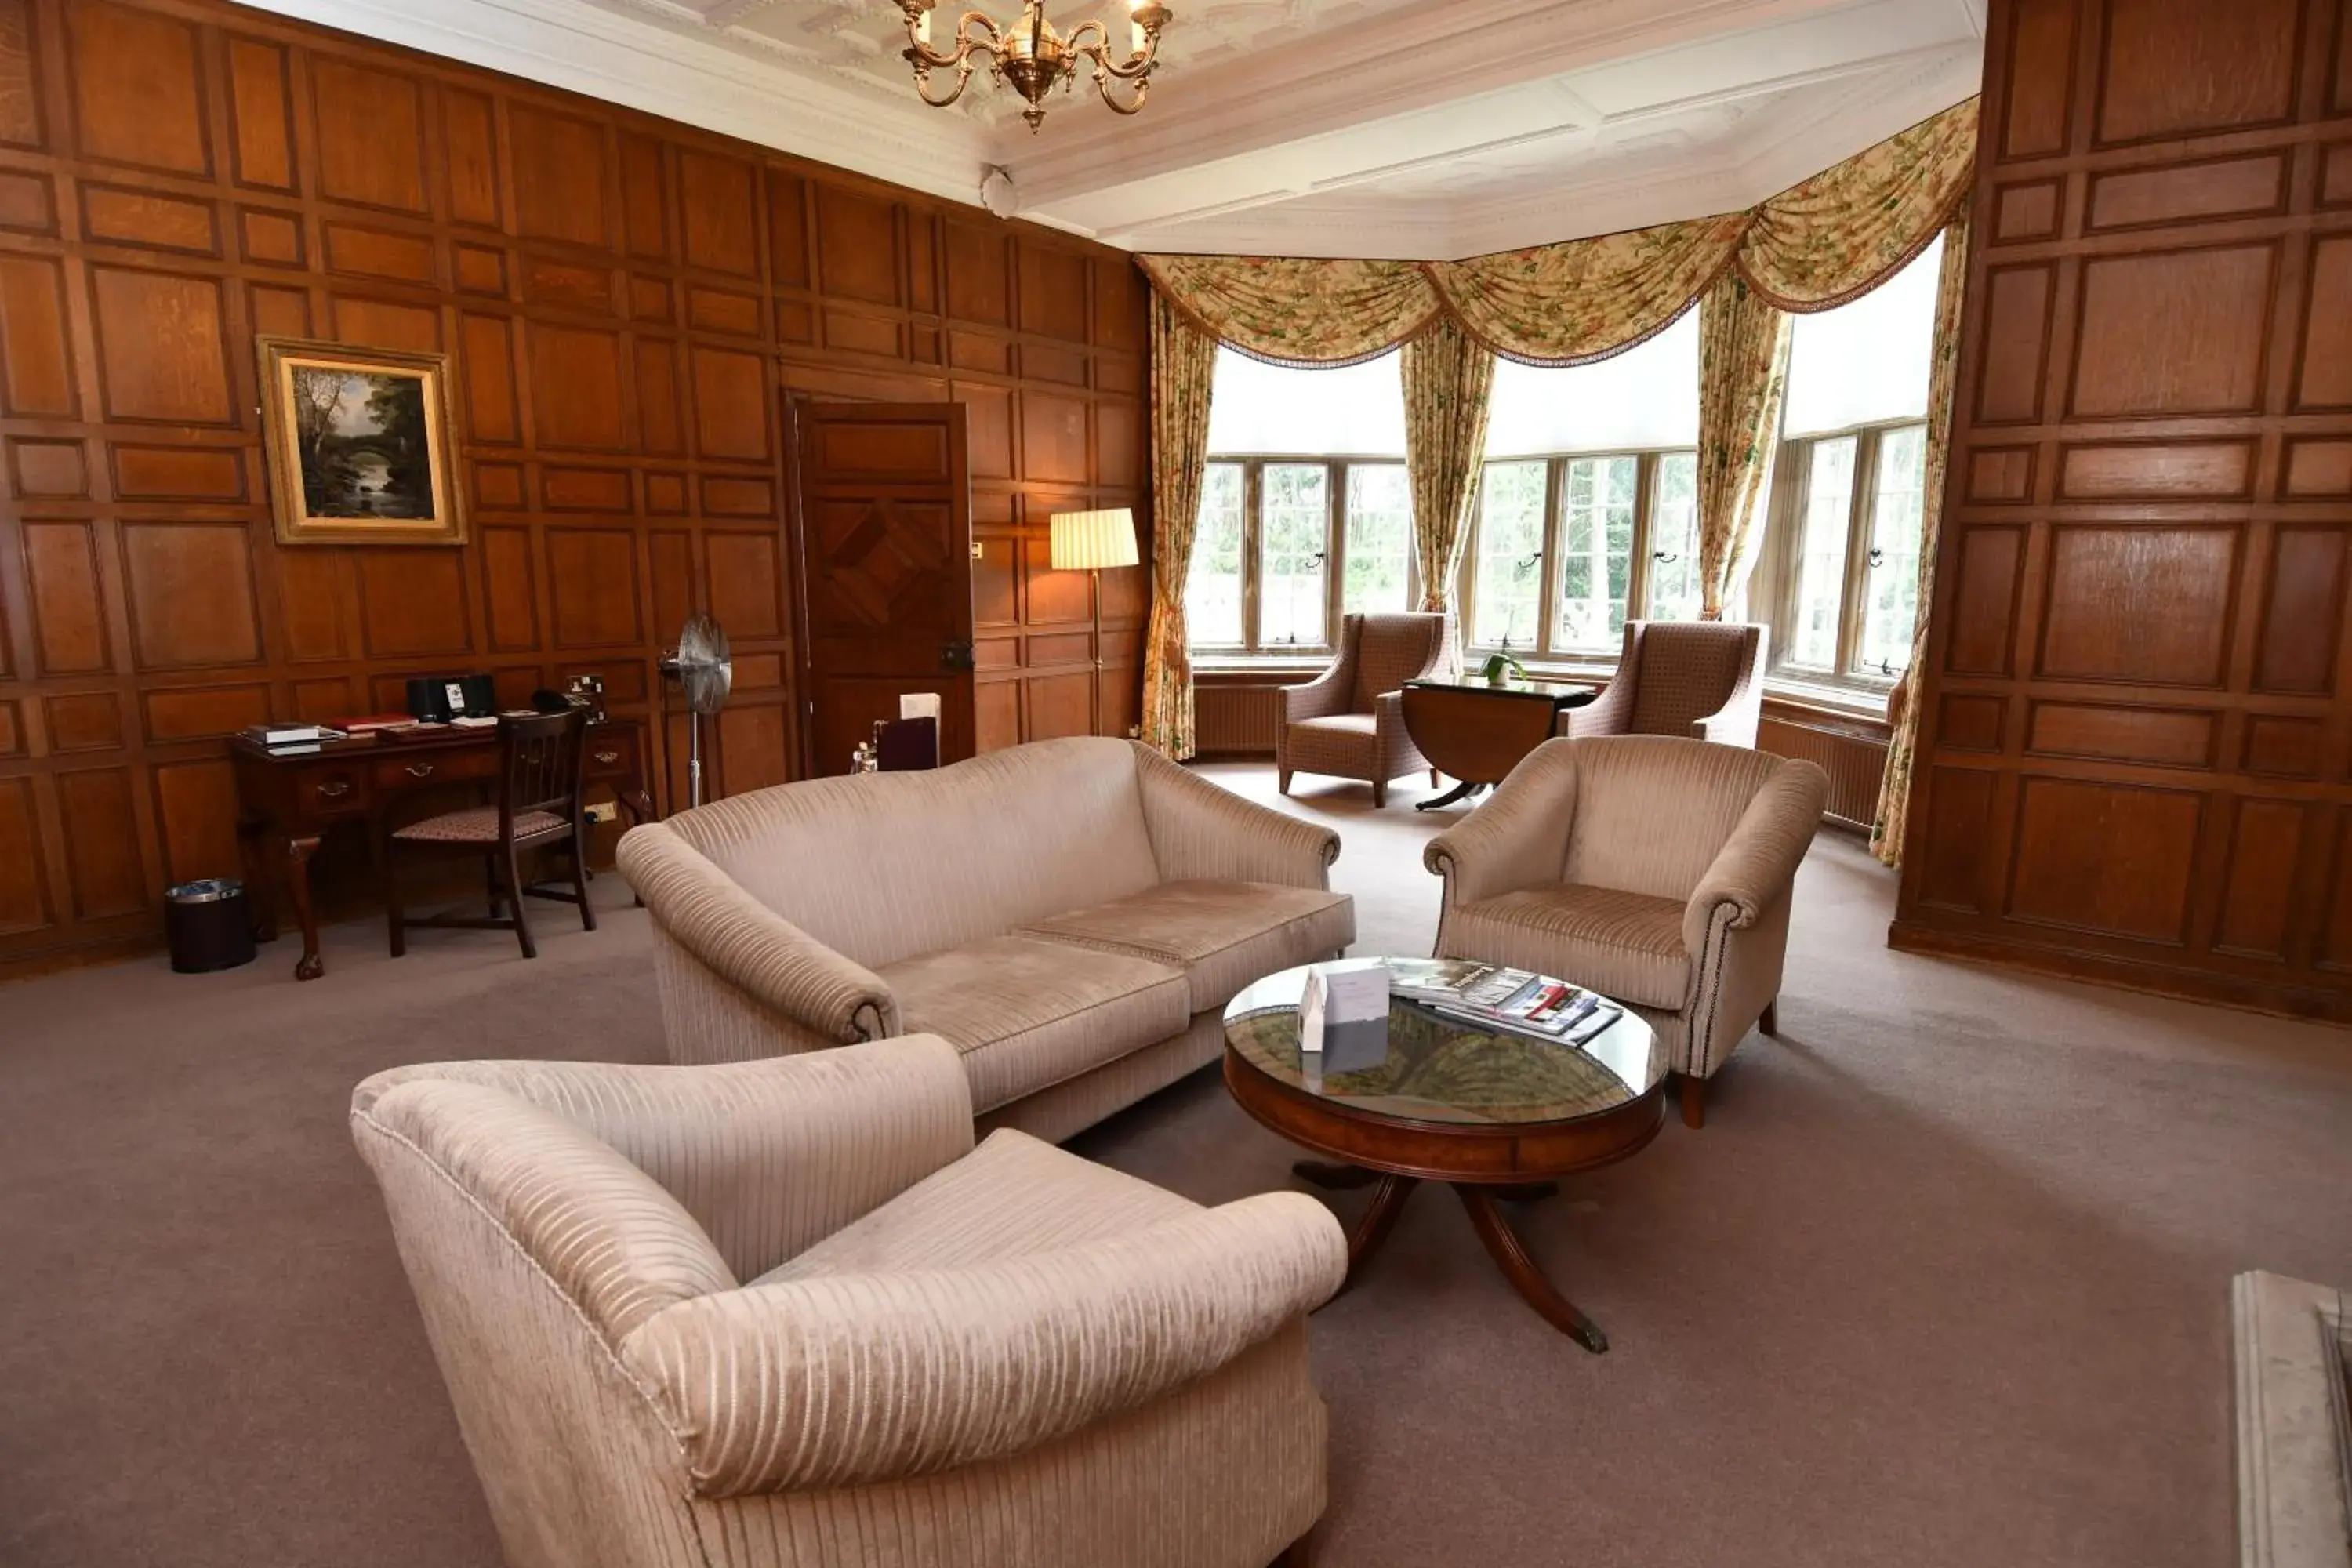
<point>1213,589</point>
<point>1379,538</point>
<point>1868,360</point>
<point>1293,539</point>
<point>1260,409</point>
<point>1821,554</point>
<point>1596,560</point>
<point>1508,582</point>
<point>1646,396</point>
<point>1889,612</point>
<point>1674,540</point>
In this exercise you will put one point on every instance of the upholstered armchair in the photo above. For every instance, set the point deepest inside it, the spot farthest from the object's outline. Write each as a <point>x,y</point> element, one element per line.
<point>1656,871</point>
<point>1349,721</point>
<point>1700,679</point>
<point>783,1313</point>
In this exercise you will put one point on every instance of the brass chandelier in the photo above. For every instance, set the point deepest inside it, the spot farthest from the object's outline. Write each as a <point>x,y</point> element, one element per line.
<point>1032,56</point>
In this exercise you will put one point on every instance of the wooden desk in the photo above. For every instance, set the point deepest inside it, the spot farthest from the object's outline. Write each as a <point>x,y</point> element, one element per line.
<point>1477,733</point>
<point>288,803</point>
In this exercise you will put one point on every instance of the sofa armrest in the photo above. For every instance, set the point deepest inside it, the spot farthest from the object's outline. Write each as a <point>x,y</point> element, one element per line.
<point>1321,698</point>
<point>774,963</point>
<point>1736,722</point>
<point>848,1380</point>
<point>1517,839</point>
<point>1201,832</point>
<point>1758,864</point>
<point>770,1157</point>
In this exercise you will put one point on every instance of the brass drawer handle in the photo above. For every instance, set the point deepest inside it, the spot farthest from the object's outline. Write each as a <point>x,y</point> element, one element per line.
<point>335,789</point>
<point>420,770</point>
<point>608,758</point>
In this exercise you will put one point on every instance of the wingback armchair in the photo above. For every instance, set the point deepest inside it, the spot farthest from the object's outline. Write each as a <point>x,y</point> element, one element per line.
<point>783,1314</point>
<point>1704,679</point>
<point>1349,721</point>
<point>1656,871</point>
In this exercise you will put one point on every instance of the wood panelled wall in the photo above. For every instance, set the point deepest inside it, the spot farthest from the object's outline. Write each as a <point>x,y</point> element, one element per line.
<point>2135,736</point>
<point>625,302</point>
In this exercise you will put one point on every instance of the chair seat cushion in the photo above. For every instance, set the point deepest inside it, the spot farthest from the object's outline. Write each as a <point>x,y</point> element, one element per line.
<point>476,824</point>
<point>1224,935</point>
<point>1339,724</point>
<point>1027,1013</point>
<point>1013,1195</point>
<point>1625,945</point>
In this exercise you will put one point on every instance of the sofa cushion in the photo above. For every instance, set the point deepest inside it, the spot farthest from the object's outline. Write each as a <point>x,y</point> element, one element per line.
<point>1026,1013</point>
<point>1624,945</point>
<point>1011,1196</point>
<point>1222,935</point>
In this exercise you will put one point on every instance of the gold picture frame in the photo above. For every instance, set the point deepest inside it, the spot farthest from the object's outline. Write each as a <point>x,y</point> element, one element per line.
<point>360,447</point>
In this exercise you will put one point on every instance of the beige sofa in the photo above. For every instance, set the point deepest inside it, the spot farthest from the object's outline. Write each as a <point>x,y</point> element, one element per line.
<point>1074,915</point>
<point>1657,871</point>
<point>782,1314</point>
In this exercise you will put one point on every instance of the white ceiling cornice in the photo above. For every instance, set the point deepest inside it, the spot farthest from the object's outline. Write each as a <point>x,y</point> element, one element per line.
<point>644,65</point>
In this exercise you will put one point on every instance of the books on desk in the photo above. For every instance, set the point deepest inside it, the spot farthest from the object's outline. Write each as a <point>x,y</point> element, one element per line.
<point>1495,996</point>
<point>290,740</point>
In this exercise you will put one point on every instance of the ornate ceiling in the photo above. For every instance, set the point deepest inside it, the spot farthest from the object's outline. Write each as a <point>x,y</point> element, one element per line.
<point>1402,128</point>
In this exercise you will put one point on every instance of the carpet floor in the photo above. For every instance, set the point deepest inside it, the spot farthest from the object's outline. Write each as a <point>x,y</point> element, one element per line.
<point>1943,1282</point>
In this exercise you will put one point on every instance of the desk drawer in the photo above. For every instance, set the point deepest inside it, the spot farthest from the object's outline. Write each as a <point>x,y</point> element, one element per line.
<point>338,789</point>
<point>416,771</point>
<point>610,754</point>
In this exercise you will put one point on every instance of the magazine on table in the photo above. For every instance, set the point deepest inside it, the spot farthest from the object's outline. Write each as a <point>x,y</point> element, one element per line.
<point>1493,995</point>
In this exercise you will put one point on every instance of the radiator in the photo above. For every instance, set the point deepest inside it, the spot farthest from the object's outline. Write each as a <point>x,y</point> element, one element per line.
<point>1854,762</point>
<point>1236,721</point>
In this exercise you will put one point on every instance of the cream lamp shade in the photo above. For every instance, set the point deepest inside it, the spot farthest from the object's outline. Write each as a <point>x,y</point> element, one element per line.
<point>1089,540</point>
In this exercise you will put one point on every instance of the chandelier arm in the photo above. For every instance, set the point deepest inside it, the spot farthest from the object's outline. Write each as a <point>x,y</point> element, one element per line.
<point>966,40</point>
<point>962,78</point>
<point>1135,67</point>
<point>1103,75</point>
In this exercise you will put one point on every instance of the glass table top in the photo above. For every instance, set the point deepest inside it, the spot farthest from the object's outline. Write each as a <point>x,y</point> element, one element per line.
<point>1421,1067</point>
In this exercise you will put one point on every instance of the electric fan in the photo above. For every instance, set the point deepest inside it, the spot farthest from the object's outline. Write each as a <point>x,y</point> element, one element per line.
<point>704,673</point>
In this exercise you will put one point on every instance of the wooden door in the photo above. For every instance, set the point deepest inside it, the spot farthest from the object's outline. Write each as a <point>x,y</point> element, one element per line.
<point>883,526</point>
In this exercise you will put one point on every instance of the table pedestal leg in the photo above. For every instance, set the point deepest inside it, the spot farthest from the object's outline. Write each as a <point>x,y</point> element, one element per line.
<point>1373,1230</point>
<point>298,886</point>
<point>1510,1255</point>
<point>1458,792</point>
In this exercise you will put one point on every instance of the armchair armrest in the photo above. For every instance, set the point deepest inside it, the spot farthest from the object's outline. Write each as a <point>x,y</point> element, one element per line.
<point>1758,864</point>
<point>851,1379</point>
<point>1735,723</point>
<point>1611,713</point>
<point>1519,838</point>
<point>1201,832</point>
<point>750,946</point>
<point>767,1156</point>
<point>1321,698</point>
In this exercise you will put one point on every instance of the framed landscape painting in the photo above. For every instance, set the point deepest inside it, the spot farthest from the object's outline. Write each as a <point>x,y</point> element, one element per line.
<point>360,451</point>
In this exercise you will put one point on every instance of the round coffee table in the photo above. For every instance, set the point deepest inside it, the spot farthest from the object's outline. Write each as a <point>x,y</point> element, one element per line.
<point>1495,1115</point>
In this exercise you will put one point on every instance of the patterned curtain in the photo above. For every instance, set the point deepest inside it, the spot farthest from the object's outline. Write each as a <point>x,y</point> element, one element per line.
<point>1851,227</point>
<point>1588,299</point>
<point>1449,381</point>
<point>1743,370</point>
<point>1294,311</point>
<point>1183,369</point>
<point>1818,244</point>
<point>1895,788</point>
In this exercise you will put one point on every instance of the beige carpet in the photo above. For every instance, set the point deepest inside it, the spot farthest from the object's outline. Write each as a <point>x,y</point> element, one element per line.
<point>1944,1281</point>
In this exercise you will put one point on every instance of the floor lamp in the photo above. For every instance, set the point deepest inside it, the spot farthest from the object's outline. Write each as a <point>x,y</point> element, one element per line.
<point>1088,541</point>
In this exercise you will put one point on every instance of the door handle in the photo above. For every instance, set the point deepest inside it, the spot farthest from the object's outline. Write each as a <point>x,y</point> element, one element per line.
<point>955,656</point>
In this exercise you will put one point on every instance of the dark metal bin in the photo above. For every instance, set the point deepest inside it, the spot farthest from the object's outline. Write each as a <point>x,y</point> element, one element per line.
<point>207,925</point>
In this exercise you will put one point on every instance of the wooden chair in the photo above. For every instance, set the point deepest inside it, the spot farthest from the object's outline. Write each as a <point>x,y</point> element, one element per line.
<point>539,805</point>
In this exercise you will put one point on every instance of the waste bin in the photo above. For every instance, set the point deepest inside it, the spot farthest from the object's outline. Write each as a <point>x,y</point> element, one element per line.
<point>207,925</point>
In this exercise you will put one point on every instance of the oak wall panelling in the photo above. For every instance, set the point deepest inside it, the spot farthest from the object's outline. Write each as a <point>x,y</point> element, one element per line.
<point>2134,760</point>
<point>625,301</point>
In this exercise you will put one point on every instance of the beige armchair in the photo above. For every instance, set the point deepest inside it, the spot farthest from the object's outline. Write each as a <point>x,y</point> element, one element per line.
<point>783,1314</point>
<point>1349,721</point>
<point>1704,679</point>
<point>1656,871</point>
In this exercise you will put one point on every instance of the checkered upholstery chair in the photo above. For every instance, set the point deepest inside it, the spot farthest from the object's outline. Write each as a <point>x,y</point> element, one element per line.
<point>1349,721</point>
<point>1702,680</point>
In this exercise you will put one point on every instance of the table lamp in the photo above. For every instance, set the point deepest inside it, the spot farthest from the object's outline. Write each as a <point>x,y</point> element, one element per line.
<point>1088,541</point>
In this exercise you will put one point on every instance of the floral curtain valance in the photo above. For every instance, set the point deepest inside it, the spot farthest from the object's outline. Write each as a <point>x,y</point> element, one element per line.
<point>1816,245</point>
